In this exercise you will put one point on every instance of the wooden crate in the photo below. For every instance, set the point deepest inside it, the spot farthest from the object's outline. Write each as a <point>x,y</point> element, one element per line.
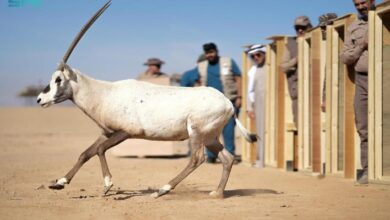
<point>311,72</point>
<point>379,88</point>
<point>342,138</point>
<point>280,128</point>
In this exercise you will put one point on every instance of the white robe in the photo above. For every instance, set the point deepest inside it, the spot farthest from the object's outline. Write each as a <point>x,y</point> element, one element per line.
<point>256,102</point>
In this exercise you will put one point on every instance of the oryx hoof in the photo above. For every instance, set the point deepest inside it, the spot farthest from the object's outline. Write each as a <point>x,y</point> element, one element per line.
<point>159,193</point>
<point>56,186</point>
<point>216,195</point>
<point>107,189</point>
<point>164,190</point>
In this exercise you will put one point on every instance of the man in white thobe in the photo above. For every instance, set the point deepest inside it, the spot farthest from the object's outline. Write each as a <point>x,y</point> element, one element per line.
<point>256,97</point>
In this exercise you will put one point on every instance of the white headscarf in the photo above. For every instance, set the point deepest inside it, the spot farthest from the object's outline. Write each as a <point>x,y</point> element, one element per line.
<point>257,48</point>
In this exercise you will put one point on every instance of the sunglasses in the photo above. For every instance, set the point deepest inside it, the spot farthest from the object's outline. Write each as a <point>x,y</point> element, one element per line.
<point>210,51</point>
<point>256,55</point>
<point>300,27</point>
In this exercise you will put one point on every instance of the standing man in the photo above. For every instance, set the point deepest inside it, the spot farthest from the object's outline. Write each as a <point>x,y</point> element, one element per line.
<point>355,53</point>
<point>223,74</point>
<point>257,79</point>
<point>153,74</point>
<point>289,63</point>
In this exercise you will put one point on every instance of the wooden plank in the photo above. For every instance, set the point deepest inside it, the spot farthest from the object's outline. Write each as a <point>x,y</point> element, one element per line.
<point>306,104</point>
<point>315,100</point>
<point>329,80</point>
<point>246,148</point>
<point>291,151</point>
<point>350,129</point>
<point>341,103</point>
<point>280,106</point>
<point>267,106</point>
<point>273,125</point>
<point>385,78</point>
<point>371,95</point>
<point>335,100</point>
<point>243,116</point>
<point>323,60</point>
<point>381,84</point>
<point>300,103</point>
<point>270,96</point>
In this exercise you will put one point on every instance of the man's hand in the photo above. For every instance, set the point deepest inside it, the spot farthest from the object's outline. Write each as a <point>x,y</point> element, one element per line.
<point>237,103</point>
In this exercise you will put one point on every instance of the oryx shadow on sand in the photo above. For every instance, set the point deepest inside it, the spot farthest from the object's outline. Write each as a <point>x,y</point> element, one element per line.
<point>180,194</point>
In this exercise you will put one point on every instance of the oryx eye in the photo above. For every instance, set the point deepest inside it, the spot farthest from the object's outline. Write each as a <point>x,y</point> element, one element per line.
<point>58,80</point>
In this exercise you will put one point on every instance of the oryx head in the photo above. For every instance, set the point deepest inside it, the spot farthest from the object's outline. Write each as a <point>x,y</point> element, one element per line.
<point>59,88</point>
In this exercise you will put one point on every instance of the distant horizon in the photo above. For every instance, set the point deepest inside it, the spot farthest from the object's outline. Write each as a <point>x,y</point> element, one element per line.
<point>34,38</point>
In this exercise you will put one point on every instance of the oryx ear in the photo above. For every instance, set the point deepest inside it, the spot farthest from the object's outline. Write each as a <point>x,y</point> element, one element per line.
<point>68,72</point>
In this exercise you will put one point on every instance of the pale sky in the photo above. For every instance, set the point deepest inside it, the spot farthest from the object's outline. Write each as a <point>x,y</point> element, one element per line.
<point>33,39</point>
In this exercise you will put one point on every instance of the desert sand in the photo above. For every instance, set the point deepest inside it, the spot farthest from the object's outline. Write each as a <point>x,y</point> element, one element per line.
<point>39,145</point>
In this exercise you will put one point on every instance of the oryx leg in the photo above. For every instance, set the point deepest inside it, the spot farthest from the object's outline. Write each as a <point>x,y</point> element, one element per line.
<point>106,173</point>
<point>115,139</point>
<point>197,158</point>
<point>103,142</point>
<point>227,161</point>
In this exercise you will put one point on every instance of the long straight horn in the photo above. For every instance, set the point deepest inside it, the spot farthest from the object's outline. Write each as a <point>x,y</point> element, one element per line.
<point>82,32</point>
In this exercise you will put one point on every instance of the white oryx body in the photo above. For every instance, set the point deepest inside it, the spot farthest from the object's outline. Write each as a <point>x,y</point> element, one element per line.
<point>149,111</point>
<point>133,109</point>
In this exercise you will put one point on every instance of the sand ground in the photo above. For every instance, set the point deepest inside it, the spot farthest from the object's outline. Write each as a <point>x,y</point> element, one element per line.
<point>40,145</point>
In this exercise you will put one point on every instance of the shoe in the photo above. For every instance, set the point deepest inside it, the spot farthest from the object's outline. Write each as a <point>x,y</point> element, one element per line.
<point>211,160</point>
<point>363,180</point>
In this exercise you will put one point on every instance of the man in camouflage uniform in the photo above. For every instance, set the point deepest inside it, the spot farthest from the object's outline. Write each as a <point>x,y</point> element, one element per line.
<point>290,62</point>
<point>355,53</point>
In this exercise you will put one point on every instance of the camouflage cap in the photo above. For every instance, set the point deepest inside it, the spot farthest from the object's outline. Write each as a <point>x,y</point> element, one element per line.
<point>302,21</point>
<point>326,19</point>
<point>154,61</point>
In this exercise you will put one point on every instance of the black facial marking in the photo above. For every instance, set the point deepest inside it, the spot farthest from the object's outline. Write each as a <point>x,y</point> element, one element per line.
<point>47,89</point>
<point>58,80</point>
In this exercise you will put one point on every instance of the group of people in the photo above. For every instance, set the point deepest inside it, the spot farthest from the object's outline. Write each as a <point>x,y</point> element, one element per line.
<point>223,74</point>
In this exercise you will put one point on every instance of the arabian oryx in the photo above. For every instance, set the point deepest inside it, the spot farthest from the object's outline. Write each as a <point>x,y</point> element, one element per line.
<point>133,109</point>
